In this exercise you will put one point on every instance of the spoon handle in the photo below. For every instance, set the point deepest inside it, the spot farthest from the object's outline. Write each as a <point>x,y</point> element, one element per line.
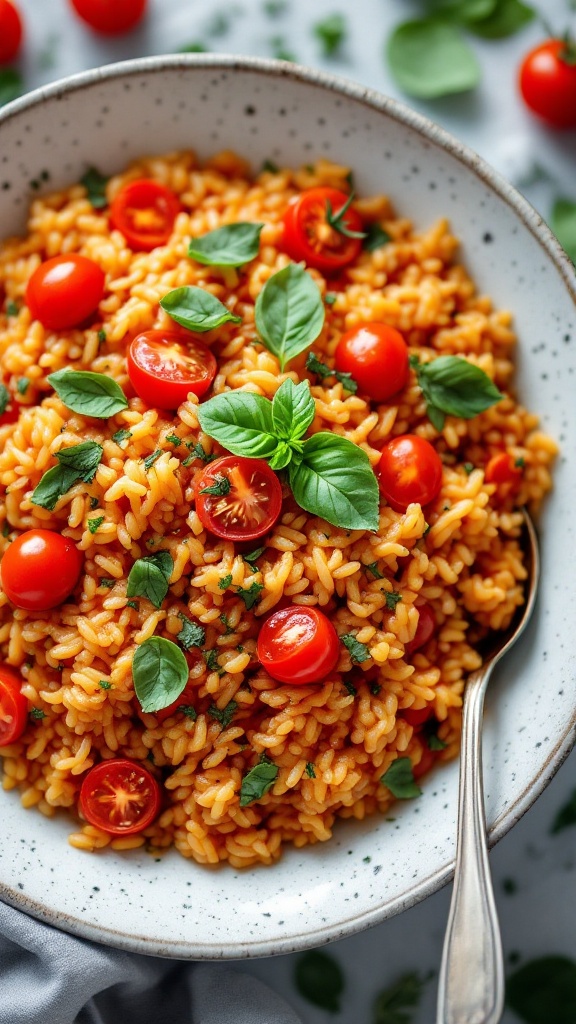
<point>471,985</point>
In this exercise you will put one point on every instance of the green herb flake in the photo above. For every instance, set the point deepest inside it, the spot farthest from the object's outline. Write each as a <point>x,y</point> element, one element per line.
<point>22,385</point>
<point>160,673</point>
<point>104,684</point>
<point>105,581</point>
<point>375,238</point>
<point>253,556</point>
<point>257,782</point>
<point>315,365</point>
<point>275,8</point>
<point>520,462</point>
<point>509,886</point>
<point>192,633</point>
<point>12,308</point>
<point>230,246</point>
<point>6,529</point>
<point>563,224</point>
<point>101,337</point>
<point>453,386</point>
<point>281,50</point>
<point>11,85</point>
<point>433,741</point>
<point>372,567</point>
<point>319,979</point>
<point>310,770</point>
<point>212,665</point>
<point>194,47</point>
<point>197,309</point>
<point>5,398</point>
<point>393,1005</point>
<point>219,488</point>
<point>95,185</point>
<point>331,32</point>
<point>392,598</point>
<point>330,298</point>
<point>225,582</point>
<point>149,577</point>
<point>251,595</point>
<point>94,524</point>
<point>543,991</point>
<point>223,715</point>
<point>226,623</point>
<point>270,167</point>
<point>76,463</point>
<point>188,711</point>
<point>87,393</point>
<point>133,604</point>
<point>36,714</point>
<point>337,219</point>
<point>174,439</point>
<point>468,468</point>
<point>122,435</point>
<point>152,458</point>
<point>399,779</point>
<point>198,452</point>
<point>359,653</point>
<point>375,689</point>
<point>350,688</point>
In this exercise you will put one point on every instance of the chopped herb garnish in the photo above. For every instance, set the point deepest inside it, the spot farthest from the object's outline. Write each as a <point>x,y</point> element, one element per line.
<point>149,577</point>
<point>350,686</point>
<point>193,47</point>
<point>399,779</point>
<point>433,741</point>
<point>94,502</point>
<point>321,370</point>
<point>331,32</point>
<point>310,771</point>
<point>95,185</point>
<point>468,467</point>
<point>105,581</point>
<point>93,524</point>
<point>211,661</point>
<point>223,715</point>
<point>79,462</point>
<point>226,623</point>
<point>152,458</point>
<point>251,595</point>
<point>509,886</point>
<point>270,167</point>
<point>5,398</point>
<point>320,980</point>
<point>174,439</point>
<point>188,711</point>
<point>543,991</point>
<point>198,452</point>
<point>520,462</point>
<point>358,652</point>
<point>373,568</point>
<point>330,298</point>
<point>22,385</point>
<point>37,714</point>
<point>257,781</point>
<point>11,85</point>
<point>254,556</point>
<point>274,8</point>
<point>104,684</point>
<point>219,488</point>
<point>133,604</point>
<point>281,50</point>
<point>121,435</point>
<point>392,599</point>
<point>225,582</point>
<point>101,337</point>
<point>6,530</point>
<point>375,238</point>
<point>192,634</point>
<point>375,689</point>
<point>12,308</point>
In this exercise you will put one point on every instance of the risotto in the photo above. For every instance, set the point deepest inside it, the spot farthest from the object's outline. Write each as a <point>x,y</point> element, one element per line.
<point>261,471</point>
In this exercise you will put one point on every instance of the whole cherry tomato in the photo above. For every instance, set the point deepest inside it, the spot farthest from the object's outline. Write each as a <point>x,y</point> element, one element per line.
<point>111,17</point>
<point>40,569</point>
<point>548,82</point>
<point>144,211</point>
<point>376,356</point>
<point>409,471</point>
<point>298,645</point>
<point>424,631</point>
<point>120,797</point>
<point>502,469</point>
<point>64,290</point>
<point>10,31</point>
<point>165,366</point>
<point>238,498</point>
<point>321,228</point>
<point>13,707</point>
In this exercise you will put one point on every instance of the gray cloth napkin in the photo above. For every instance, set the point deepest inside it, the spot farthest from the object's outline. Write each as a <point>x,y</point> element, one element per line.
<point>49,977</point>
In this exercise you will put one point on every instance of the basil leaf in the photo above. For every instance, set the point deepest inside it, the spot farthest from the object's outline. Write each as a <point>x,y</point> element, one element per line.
<point>122,435</point>
<point>160,673</point>
<point>241,422</point>
<point>390,1006</point>
<point>79,462</point>
<point>321,370</point>
<point>289,313</point>
<point>94,524</point>
<point>5,398</point>
<point>392,598</point>
<point>563,224</point>
<point>375,238</point>
<point>335,480</point>
<point>331,32</point>
<point>251,596</point>
<point>544,990</point>
<point>196,309</point>
<point>373,568</point>
<point>293,410</point>
<point>358,652</point>
<point>429,58</point>
<point>228,246</point>
<point>11,85</point>
<point>319,979</point>
<point>149,577</point>
<point>90,394</point>
<point>463,10</point>
<point>455,386</point>
<point>192,634</point>
<point>257,782</point>
<point>223,715</point>
<point>95,185</point>
<point>399,778</point>
<point>507,18</point>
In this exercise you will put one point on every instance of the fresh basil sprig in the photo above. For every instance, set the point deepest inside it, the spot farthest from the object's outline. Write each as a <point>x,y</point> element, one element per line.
<point>257,782</point>
<point>79,462</point>
<point>228,246</point>
<point>196,309</point>
<point>160,673</point>
<point>90,394</point>
<point>453,386</point>
<point>149,577</point>
<point>399,779</point>
<point>289,313</point>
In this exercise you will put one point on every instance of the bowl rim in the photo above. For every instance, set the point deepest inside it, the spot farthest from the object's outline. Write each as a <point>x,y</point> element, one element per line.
<point>535,223</point>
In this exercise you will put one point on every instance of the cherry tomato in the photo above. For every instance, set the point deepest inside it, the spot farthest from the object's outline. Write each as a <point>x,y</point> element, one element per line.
<point>120,797</point>
<point>298,645</point>
<point>425,763</point>
<point>417,716</point>
<point>144,211</point>
<point>111,17</point>
<point>409,470</point>
<point>377,357</point>
<point>13,707</point>
<point>40,569</point>
<point>548,82</point>
<point>314,231</point>
<point>11,412</point>
<point>424,630</point>
<point>502,469</point>
<point>64,290</point>
<point>10,31</point>
<point>165,366</point>
<point>243,500</point>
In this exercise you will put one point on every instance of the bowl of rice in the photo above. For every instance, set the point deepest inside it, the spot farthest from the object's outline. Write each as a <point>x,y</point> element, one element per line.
<point>282,363</point>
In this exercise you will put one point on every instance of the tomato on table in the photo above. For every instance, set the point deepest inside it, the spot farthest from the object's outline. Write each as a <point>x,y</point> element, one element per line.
<point>238,498</point>
<point>424,630</point>
<point>120,797</point>
<point>110,17</point>
<point>409,471</point>
<point>10,31</point>
<point>548,82</point>
<point>13,707</point>
<point>321,228</point>
<point>40,569</point>
<point>298,645</point>
<point>144,211</point>
<point>165,366</point>
<point>376,356</point>
<point>64,290</point>
<point>502,469</point>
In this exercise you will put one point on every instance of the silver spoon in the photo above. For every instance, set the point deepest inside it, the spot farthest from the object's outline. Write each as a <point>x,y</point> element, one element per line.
<point>471,984</point>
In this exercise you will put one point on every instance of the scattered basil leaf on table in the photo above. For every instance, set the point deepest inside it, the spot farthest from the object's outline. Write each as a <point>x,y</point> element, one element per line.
<point>257,782</point>
<point>160,673</point>
<point>399,779</point>
<point>241,422</point>
<point>11,85</point>
<point>293,410</point>
<point>331,32</point>
<point>223,715</point>
<point>358,652</point>
<point>95,185</point>
<point>566,816</point>
<point>375,238</point>
<point>507,18</point>
<point>87,393</point>
<point>334,480</point>
<point>319,979</point>
<point>430,58</point>
<point>149,577</point>
<point>563,224</point>
<point>228,246</point>
<point>451,385</point>
<point>289,313</point>
<point>79,462</point>
<point>192,633</point>
<point>196,309</point>
<point>543,991</point>
<point>322,370</point>
<point>393,1004</point>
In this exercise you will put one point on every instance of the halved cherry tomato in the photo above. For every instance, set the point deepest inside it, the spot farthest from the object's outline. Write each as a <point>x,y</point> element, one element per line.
<point>238,498</point>
<point>145,211</point>
<point>317,230</point>
<point>502,469</point>
<point>377,357</point>
<point>40,569</point>
<point>10,31</point>
<point>548,82</point>
<point>13,707</point>
<point>417,716</point>
<point>165,366</point>
<point>409,470</point>
<point>424,630</point>
<point>298,645</point>
<point>120,797</point>
<point>111,17</point>
<point>64,290</point>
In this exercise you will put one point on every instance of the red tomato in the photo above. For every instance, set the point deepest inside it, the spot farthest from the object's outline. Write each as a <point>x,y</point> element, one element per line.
<point>548,82</point>
<point>314,232</point>
<point>144,211</point>
<point>111,17</point>
<point>10,31</point>
<point>64,290</point>
<point>377,357</point>
<point>417,716</point>
<point>501,469</point>
<point>165,366</point>
<point>409,470</point>
<point>246,498</point>
<point>40,569</point>
<point>11,413</point>
<point>424,765</point>
<point>298,645</point>
<point>424,630</point>
<point>120,797</point>
<point>13,707</point>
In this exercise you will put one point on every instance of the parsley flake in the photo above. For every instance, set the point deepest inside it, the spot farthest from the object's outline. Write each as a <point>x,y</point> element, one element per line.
<point>223,715</point>
<point>373,568</point>
<point>105,581</point>
<point>121,435</point>
<point>310,771</point>
<point>212,663</point>
<point>358,652</point>
<point>192,634</point>
<point>22,385</point>
<point>331,32</point>
<point>376,237</point>
<point>104,684</point>
<point>225,582</point>
<point>152,458</point>
<point>188,711</point>
<point>392,598</point>
<point>250,596</point>
<point>94,524</point>
<point>322,370</point>
<point>95,185</point>
<point>12,308</point>
<point>219,488</point>
<point>174,439</point>
<point>36,714</point>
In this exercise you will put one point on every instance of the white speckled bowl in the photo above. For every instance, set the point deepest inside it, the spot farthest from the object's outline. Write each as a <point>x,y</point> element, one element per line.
<point>376,868</point>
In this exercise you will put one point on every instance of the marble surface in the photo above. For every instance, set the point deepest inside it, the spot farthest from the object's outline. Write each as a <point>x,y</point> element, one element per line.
<point>533,869</point>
